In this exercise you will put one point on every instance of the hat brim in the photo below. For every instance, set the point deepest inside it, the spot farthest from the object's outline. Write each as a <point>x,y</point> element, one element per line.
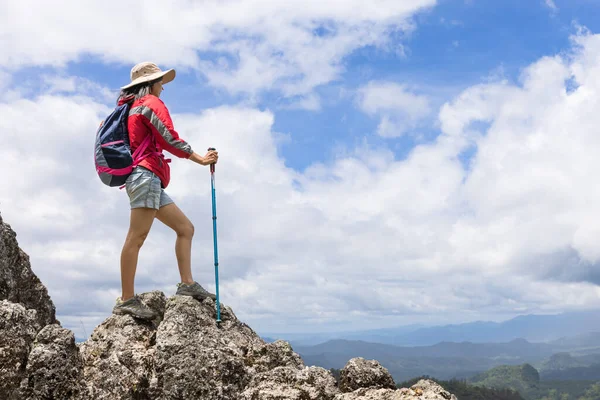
<point>167,76</point>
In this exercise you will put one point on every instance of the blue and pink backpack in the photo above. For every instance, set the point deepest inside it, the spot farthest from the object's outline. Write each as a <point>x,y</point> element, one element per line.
<point>113,158</point>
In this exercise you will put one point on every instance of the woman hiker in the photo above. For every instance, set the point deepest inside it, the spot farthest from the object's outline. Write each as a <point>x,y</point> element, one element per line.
<point>145,186</point>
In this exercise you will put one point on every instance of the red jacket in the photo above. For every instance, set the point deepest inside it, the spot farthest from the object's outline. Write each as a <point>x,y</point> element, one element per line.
<point>149,116</point>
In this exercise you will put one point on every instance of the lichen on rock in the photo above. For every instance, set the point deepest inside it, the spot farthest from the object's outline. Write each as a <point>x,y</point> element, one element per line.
<point>360,373</point>
<point>54,368</point>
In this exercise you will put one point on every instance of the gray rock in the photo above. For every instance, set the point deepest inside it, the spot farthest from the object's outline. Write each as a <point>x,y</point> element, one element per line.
<point>265,357</point>
<point>18,328</point>
<point>291,383</point>
<point>432,391</point>
<point>423,390</point>
<point>118,358</point>
<point>360,373</point>
<point>54,366</point>
<point>18,283</point>
<point>195,358</point>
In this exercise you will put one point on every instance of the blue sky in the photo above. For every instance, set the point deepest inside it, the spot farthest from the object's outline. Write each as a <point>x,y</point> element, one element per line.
<point>432,156</point>
<point>458,43</point>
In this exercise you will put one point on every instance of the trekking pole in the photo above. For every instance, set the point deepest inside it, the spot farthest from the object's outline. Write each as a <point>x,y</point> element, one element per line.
<point>214,218</point>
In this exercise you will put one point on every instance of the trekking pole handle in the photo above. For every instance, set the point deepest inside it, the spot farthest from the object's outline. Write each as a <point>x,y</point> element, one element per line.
<point>212,166</point>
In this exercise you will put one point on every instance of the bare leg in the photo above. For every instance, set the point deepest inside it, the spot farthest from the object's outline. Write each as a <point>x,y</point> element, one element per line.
<point>175,219</point>
<point>139,227</point>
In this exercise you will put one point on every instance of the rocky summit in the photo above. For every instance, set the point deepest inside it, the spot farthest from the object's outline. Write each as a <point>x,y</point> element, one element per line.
<point>182,354</point>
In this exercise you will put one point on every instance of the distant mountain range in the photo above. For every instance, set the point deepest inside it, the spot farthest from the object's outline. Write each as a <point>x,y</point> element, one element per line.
<point>385,335</point>
<point>445,360</point>
<point>534,328</point>
<point>448,360</point>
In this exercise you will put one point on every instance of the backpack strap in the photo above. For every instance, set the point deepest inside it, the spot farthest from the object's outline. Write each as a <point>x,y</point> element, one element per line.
<point>138,155</point>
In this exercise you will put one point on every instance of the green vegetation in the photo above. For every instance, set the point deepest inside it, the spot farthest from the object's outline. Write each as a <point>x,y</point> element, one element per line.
<point>559,390</point>
<point>526,380</point>
<point>523,378</point>
<point>593,393</point>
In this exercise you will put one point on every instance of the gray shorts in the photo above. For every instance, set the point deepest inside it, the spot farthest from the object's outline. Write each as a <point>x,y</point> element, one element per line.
<point>144,189</point>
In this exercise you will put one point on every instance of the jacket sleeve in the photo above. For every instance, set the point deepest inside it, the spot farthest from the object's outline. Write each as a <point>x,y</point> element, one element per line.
<point>159,121</point>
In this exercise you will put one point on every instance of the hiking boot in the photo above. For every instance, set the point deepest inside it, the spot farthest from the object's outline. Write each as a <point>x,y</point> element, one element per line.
<point>133,307</point>
<point>194,290</point>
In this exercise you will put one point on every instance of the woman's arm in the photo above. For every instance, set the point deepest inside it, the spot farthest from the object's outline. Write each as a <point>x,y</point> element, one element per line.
<point>210,158</point>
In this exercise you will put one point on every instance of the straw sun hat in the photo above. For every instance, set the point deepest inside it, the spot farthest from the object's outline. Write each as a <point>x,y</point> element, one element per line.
<point>149,71</point>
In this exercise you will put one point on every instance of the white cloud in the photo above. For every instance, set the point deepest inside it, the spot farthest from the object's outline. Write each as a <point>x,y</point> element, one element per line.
<point>291,46</point>
<point>53,84</point>
<point>399,108</point>
<point>311,102</point>
<point>550,4</point>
